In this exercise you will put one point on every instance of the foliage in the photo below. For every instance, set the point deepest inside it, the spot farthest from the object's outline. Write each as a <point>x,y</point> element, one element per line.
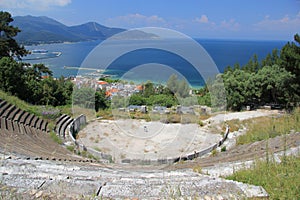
<point>101,101</point>
<point>178,87</point>
<point>290,60</point>
<point>71,148</point>
<point>153,95</point>
<point>274,80</point>
<point>12,76</point>
<point>50,112</point>
<point>280,180</point>
<point>28,83</point>
<point>223,149</point>
<point>162,100</point>
<point>137,99</point>
<point>84,97</point>
<point>8,45</point>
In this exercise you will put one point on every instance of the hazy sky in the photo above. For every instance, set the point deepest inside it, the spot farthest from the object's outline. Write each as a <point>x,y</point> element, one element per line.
<point>233,19</point>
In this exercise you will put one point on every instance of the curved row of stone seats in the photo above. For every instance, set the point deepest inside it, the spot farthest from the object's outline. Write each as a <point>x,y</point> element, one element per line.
<point>37,144</point>
<point>10,113</point>
<point>62,124</point>
<point>24,134</point>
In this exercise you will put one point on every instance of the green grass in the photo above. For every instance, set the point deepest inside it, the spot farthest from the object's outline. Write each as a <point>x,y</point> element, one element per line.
<point>280,180</point>
<point>19,103</point>
<point>71,148</point>
<point>269,127</point>
<point>45,112</point>
<point>56,138</point>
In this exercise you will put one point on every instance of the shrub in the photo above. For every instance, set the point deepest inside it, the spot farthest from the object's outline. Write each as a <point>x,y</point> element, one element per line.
<point>223,149</point>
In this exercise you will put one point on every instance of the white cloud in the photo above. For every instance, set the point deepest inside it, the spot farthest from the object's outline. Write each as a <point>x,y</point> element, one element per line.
<point>136,20</point>
<point>230,25</point>
<point>202,19</point>
<point>32,4</point>
<point>285,23</point>
<point>206,24</point>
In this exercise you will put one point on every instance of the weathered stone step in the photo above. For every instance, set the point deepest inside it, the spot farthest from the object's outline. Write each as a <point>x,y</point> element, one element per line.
<point>29,119</point>
<point>13,114</point>
<point>64,127</point>
<point>34,121</point>
<point>19,115</point>
<point>39,123</point>
<point>3,107</point>
<point>61,122</point>
<point>8,110</point>
<point>24,117</point>
<point>2,103</point>
<point>44,126</point>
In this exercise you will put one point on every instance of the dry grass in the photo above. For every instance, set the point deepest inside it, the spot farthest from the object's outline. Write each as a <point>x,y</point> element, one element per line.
<point>280,180</point>
<point>268,127</point>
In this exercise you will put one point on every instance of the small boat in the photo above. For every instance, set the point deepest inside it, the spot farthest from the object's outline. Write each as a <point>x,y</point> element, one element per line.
<point>41,51</point>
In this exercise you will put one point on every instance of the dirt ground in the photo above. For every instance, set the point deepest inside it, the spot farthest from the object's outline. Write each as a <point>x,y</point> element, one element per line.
<point>138,139</point>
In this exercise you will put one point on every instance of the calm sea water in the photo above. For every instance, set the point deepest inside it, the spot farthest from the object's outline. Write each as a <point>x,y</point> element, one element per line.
<point>223,52</point>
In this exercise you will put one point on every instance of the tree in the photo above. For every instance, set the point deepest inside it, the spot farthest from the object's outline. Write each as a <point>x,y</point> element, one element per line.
<point>12,76</point>
<point>101,101</point>
<point>290,60</point>
<point>178,87</point>
<point>252,65</point>
<point>137,99</point>
<point>84,97</point>
<point>8,45</point>
<point>275,81</point>
<point>148,89</point>
<point>183,89</point>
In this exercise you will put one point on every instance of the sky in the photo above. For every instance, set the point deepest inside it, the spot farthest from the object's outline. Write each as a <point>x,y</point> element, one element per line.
<point>214,19</point>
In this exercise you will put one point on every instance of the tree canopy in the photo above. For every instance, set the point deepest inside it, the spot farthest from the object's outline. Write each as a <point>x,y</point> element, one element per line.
<point>8,45</point>
<point>274,80</point>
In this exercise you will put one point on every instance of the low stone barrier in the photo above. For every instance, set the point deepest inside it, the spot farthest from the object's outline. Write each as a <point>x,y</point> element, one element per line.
<point>80,121</point>
<point>190,156</point>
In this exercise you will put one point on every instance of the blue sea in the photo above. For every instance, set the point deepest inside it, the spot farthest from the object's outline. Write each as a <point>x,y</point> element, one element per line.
<point>223,52</point>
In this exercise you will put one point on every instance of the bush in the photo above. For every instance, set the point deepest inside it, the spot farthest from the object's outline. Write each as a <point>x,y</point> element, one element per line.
<point>223,149</point>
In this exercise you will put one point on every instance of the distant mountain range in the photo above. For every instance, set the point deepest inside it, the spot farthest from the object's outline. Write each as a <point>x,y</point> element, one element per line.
<point>39,30</point>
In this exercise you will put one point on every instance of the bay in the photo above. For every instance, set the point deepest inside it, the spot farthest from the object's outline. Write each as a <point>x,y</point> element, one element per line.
<point>223,52</point>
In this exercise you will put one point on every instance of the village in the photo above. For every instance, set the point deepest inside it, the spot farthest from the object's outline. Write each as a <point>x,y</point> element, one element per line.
<point>124,89</point>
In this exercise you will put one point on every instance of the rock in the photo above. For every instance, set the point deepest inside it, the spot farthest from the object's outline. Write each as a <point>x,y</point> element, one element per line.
<point>39,194</point>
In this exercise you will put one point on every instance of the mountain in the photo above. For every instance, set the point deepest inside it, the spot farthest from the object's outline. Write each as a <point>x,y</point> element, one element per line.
<point>37,30</point>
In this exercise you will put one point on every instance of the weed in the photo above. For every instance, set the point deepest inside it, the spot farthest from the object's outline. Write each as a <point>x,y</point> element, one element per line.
<point>201,123</point>
<point>71,148</point>
<point>214,152</point>
<point>280,180</point>
<point>269,127</point>
<point>55,137</point>
<point>223,149</point>
<point>197,169</point>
